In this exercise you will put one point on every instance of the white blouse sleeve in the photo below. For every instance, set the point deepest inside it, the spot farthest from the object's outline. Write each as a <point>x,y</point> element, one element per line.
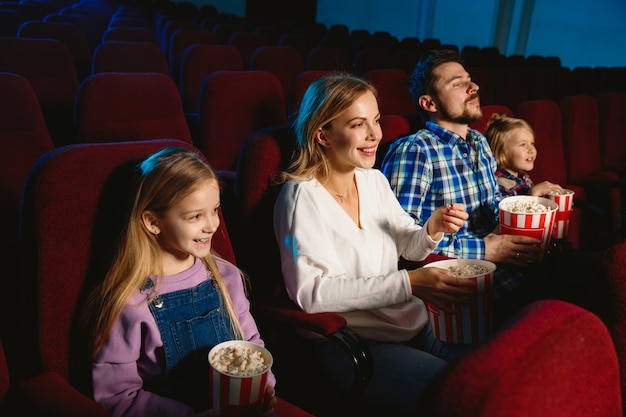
<point>320,255</point>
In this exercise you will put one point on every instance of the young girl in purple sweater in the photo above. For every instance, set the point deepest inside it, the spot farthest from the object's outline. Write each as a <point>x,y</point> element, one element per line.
<point>167,297</point>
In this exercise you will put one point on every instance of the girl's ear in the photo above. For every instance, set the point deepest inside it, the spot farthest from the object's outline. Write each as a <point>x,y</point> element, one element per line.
<point>320,137</point>
<point>427,103</point>
<point>150,222</point>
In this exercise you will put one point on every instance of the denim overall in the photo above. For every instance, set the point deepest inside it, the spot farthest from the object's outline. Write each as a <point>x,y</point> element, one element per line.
<point>191,322</point>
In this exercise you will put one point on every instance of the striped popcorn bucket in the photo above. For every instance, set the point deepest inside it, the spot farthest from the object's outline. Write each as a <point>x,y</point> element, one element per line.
<point>237,395</point>
<point>468,323</point>
<point>514,220</point>
<point>565,203</point>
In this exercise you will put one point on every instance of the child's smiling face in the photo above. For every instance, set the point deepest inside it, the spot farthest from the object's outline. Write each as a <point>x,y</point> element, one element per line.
<point>521,151</point>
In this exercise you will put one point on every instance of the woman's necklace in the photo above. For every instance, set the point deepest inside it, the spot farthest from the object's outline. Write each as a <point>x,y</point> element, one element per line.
<point>341,196</point>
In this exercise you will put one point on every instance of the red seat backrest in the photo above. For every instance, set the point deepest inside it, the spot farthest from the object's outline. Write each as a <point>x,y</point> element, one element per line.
<point>197,62</point>
<point>73,210</point>
<point>612,111</point>
<point>119,107</point>
<point>489,110</point>
<point>233,105</point>
<point>129,56</point>
<point>285,62</point>
<point>393,90</point>
<point>527,369</point>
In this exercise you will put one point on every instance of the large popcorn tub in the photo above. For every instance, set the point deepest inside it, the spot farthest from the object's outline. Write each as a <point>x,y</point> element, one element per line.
<point>238,372</point>
<point>468,323</point>
<point>524,215</point>
<point>565,204</point>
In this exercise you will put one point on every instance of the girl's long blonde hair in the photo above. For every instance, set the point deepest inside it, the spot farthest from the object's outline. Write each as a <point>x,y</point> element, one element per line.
<point>324,100</point>
<point>164,179</point>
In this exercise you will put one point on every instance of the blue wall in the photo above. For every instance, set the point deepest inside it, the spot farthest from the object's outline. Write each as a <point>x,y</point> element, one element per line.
<point>581,32</point>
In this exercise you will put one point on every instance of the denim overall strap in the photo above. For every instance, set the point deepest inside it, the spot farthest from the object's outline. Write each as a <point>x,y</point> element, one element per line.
<point>189,320</point>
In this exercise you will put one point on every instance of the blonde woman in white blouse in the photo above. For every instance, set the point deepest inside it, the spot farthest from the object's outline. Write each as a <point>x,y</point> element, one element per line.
<point>341,232</point>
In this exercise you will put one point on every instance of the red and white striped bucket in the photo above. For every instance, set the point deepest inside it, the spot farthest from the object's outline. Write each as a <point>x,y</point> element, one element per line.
<point>236,395</point>
<point>565,203</point>
<point>537,225</point>
<point>469,323</point>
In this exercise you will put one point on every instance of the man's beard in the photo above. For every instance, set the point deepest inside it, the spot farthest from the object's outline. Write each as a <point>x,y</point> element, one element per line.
<point>465,117</point>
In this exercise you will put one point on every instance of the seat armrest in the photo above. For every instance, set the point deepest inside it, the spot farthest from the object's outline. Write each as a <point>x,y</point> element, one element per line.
<point>331,326</point>
<point>49,394</point>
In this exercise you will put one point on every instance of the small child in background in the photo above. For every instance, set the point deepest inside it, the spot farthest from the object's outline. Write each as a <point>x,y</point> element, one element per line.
<point>512,142</point>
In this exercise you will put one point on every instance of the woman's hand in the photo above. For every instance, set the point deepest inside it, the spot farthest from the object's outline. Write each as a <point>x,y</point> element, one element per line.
<point>512,249</point>
<point>439,287</point>
<point>447,219</point>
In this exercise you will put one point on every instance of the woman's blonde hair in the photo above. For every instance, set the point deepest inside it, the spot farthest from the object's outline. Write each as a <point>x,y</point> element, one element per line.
<point>164,179</point>
<point>324,100</point>
<point>499,130</point>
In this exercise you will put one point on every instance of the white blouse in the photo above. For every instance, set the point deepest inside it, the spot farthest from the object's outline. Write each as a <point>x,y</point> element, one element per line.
<point>330,264</point>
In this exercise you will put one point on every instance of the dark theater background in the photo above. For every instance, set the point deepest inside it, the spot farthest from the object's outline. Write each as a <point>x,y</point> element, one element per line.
<point>90,87</point>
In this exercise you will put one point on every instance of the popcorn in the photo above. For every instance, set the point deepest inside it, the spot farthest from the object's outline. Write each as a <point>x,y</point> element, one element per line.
<point>520,206</point>
<point>239,361</point>
<point>468,270</point>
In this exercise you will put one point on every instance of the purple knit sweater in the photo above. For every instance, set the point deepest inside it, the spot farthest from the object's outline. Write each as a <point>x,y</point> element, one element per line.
<point>130,354</point>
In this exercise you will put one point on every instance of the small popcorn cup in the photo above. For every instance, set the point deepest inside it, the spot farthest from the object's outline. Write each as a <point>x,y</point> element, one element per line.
<point>468,323</point>
<point>565,203</point>
<point>522,223</point>
<point>237,393</point>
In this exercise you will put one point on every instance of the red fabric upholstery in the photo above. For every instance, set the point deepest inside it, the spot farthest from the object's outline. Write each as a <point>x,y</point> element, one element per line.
<point>127,56</point>
<point>483,77</point>
<point>509,86</point>
<point>180,40</point>
<point>612,108</point>
<point>233,105</point>
<point>300,84</point>
<point>286,62</point>
<point>393,126</point>
<point>52,395</point>
<point>301,41</point>
<point>48,66</point>
<point>197,62</point>
<point>489,110</point>
<point>24,138</point>
<point>131,34</point>
<point>544,116</point>
<point>223,31</point>
<point>610,302</point>
<point>118,107</point>
<point>86,23</point>
<point>67,33</point>
<point>73,209</point>
<point>171,26</point>
<point>4,375</point>
<point>554,359</point>
<point>581,140</point>
<point>246,43</point>
<point>329,58</point>
<point>373,57</point>
<point>393,90</point>
<point>541,82</point>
